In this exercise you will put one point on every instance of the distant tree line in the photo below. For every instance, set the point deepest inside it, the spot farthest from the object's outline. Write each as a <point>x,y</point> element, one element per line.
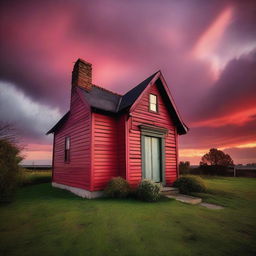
<point>251,164</point>
<point>216,162</point>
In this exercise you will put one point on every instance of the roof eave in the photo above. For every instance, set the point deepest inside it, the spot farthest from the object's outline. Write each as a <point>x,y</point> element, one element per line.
<point>183,130</point>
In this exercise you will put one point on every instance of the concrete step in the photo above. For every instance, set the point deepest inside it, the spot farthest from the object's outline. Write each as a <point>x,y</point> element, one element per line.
<point>169,191</point>
<point>186,199</point>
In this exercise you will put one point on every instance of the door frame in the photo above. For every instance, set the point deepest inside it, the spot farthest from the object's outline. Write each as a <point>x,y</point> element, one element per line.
<point>157,132</point>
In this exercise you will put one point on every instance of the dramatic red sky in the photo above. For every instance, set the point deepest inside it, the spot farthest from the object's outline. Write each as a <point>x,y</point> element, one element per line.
<point>205,49</point>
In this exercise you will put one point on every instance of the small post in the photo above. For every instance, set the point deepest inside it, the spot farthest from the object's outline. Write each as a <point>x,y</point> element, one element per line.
<point>234,171</point>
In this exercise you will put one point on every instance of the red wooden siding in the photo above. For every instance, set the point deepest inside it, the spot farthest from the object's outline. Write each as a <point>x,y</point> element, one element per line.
<point>105,150</point>
<point>142,115</point>
<point>77,172</point>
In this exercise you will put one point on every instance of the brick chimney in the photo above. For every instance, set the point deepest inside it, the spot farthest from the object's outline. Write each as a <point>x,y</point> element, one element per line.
<point>82,74</point>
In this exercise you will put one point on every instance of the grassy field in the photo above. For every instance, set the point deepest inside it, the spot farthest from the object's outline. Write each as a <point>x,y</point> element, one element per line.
<point>47,221</point>
<point>35,177</point>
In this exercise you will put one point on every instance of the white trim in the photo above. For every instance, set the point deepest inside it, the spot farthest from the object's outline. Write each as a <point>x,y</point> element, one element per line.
<point>79,191</point>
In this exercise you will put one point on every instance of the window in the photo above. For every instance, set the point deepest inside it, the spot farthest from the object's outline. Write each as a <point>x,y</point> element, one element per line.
<point>67,149</point>
<point>152,102</point>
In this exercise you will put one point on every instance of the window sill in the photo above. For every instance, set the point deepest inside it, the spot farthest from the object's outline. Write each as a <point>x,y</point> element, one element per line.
<point>154,112</point>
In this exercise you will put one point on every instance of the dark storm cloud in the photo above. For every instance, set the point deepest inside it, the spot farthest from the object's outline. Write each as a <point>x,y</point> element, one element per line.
<point>26,58</point>
<point>30,119</point>
<point>145,36</point>
<point>234,91</point>
<point>242,28</point>
<point>224,136</point>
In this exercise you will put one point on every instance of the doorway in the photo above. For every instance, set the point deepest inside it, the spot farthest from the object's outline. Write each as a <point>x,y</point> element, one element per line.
<point>152,158</point>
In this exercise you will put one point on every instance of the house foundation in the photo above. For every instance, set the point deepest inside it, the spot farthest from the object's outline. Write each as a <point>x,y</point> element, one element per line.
<point>79,191</point>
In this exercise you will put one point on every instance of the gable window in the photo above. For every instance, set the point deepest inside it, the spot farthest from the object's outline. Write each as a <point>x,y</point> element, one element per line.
<point>67,149</point>
<point>153,102</point>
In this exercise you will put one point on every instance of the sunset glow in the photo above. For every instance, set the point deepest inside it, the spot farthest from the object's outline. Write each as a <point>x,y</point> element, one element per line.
<point>37,153</point>
<point>206,52</point>
<point>248,145</point>
<point>239,118</point>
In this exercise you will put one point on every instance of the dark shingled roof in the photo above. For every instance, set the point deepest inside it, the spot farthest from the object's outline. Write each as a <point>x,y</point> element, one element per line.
<point>101,99</point>
<point>107,101</point>
<point>130,97</point>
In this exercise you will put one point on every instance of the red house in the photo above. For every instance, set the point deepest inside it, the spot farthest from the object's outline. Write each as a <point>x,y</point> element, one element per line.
<point>105,134</point>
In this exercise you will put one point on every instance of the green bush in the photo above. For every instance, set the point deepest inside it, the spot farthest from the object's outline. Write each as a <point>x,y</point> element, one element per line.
<point>117,188</point>
<point>148,191</point>
<point>188,184</point>
<point>9,170</point>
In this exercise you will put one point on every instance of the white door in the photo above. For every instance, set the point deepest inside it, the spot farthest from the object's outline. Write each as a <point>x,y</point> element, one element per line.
<point>152,158</point>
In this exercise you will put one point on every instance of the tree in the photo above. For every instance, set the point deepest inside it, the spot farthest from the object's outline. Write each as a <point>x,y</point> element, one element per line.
<point>10,157</point>
<point>9,169</point>
<point>216,157</point>
<point>8,132</point>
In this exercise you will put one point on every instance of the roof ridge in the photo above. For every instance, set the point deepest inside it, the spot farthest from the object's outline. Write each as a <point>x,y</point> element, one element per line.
<point>107,90</point>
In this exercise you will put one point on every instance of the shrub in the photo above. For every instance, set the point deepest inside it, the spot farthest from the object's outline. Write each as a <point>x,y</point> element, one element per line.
<point>189,183</point>
<point>148,191</point>
<point>9,170</point>
<point>117,188</point>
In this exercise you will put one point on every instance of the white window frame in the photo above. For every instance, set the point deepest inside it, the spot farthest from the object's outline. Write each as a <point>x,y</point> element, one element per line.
<point>153,104</point>
<point>67,149</point>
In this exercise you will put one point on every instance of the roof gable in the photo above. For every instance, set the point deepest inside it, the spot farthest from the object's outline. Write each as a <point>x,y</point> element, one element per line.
<point>159,80</point>
<point>131,96</point>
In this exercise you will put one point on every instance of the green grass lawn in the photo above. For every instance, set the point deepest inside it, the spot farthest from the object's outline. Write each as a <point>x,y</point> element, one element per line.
<point>47,221</point>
